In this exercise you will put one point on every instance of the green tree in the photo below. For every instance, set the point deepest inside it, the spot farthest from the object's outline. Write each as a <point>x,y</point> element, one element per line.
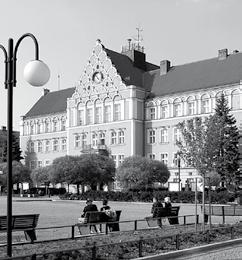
<point>227,152</point>
<point>139,172</point>
<point>41,175</point>
<point>16,151</point>
<point>193,147</point>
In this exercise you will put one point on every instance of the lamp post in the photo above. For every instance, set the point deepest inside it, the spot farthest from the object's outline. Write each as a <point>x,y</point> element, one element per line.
<point>37,74</point>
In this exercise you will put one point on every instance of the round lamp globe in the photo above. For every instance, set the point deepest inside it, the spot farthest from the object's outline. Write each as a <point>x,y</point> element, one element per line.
<point>36,73</point>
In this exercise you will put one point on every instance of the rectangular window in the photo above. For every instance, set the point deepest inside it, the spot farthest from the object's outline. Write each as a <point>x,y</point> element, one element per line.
<point>63,125</point>
<point>81,117</point>
<point>47,162</point>
<point>164,135</point>
<point>114,157</point>
<point>102,138</point>
<point>55,126</point>
<point>177,134</point>
<point>47,127</point>
<point>152,156</point>
<point>31,129</point>
<point>152,113</point>
<point>117,112</point>
<point>38,128</point>
<point>39,147</point>
<point>31,147</point>
<point>121,137</point>
<point>47,146</point>
<point>77,141</point>
<point>151,136</point>
<point>84,140</point>
<point>89,116</point>
<point>39,164</point>
<point>32,165</point>
<point>113,137</point>
<point>120,159</point>
<point>164,158</point>
<point>63,144</point>
<point>107,114</point>
<point>55,145</point>
<point>98,115</point>
<point>164,111</point>
<point>94,140</point>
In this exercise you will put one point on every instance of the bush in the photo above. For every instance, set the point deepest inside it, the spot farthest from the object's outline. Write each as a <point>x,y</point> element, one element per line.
<point>147,195</point>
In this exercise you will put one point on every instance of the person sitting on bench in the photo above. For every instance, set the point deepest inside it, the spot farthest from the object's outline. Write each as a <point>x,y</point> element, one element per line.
<point>90,207</point>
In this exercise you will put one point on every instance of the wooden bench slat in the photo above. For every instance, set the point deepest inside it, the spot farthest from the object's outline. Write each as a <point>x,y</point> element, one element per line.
<point>26,223</point>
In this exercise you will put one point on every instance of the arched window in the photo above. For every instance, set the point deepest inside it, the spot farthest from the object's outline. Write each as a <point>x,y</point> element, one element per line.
<point>63,124</point>
<point>205,104</point>
<point>98,112</point>
<point>190,106</point>
<point>31,147</point>
<point>94,139</point>
<point>107,110</point>
<point>235,99</point>
<point>40,147</point>
<point>113,137</point>
<point>151,111</point>
<point>164,109</point>
<point>89,113</point>
<point>121,137</point>
<point>177,107</point>
<point>55,125</point>
<point>55,145</point>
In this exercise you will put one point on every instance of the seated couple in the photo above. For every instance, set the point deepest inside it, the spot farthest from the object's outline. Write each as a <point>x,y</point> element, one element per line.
<point>109,214</point>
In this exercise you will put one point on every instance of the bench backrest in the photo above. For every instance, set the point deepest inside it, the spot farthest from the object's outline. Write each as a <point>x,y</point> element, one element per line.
<point>175,210</point>
<point>99,216</point>
<point>20,221</point>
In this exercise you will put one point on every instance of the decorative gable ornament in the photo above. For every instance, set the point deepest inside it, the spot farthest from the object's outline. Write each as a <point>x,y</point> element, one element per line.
<point>100,77</point>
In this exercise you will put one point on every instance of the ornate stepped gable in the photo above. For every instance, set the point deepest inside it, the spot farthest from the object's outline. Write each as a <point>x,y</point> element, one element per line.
<point>100,79</point>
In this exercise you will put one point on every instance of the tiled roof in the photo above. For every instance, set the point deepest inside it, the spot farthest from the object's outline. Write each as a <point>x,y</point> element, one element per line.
<point>130,74</point>
<point>195,76</point>
<point>52,102</point>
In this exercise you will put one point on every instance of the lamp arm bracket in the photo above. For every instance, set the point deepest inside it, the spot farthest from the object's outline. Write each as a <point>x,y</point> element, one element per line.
<point>16,49</point>
<point>6,59</point>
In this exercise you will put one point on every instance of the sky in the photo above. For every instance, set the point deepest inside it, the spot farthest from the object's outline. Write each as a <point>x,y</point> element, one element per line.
<point>181,31</point>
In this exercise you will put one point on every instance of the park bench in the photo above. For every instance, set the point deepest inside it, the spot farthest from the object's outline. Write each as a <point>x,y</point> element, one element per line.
<point>26,223</point>
<point>172,216</point>
<point>100,217</point>
<point>218,210</point>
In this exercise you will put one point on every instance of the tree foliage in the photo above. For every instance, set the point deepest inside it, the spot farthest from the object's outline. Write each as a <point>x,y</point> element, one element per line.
<point>16,151</point>
<point>227,153</point>
<point>138,172</point>
<point>20,173</point>
<point>41,175</point>
<point>86,169</point>
<point>211,144</point>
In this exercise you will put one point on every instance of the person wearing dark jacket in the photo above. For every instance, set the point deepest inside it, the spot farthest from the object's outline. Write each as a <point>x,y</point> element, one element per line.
<point>90,207</point>
<point>156,210</point>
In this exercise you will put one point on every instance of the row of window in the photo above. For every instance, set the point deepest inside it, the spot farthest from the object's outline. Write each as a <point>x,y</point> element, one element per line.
<point>46,126</point>
<point>161,135</point>
<point>48,145</point>
<point>163,157</point>
<point>190,107</point>
<point>38,164</point>
<point>116,137</point>
<point>118,159</point>
<point>99,114</point>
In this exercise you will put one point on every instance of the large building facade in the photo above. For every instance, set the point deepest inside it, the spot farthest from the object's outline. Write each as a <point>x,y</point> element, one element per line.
<point>130,107</point>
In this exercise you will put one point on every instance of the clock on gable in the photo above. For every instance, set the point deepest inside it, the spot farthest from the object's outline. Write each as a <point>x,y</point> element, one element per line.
<point>97,77</point>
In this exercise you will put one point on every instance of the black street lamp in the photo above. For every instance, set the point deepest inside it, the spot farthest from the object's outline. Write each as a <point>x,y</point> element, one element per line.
<point>37,74</point>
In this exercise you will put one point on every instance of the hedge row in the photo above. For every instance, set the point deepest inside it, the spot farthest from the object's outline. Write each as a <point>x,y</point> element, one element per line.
<point>146,196</point>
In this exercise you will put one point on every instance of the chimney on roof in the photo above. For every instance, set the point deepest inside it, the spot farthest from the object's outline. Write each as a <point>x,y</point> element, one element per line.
<point>165,66</point>
<point>222,54</point>
<point>136,54</point>
<point>45,91</point>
